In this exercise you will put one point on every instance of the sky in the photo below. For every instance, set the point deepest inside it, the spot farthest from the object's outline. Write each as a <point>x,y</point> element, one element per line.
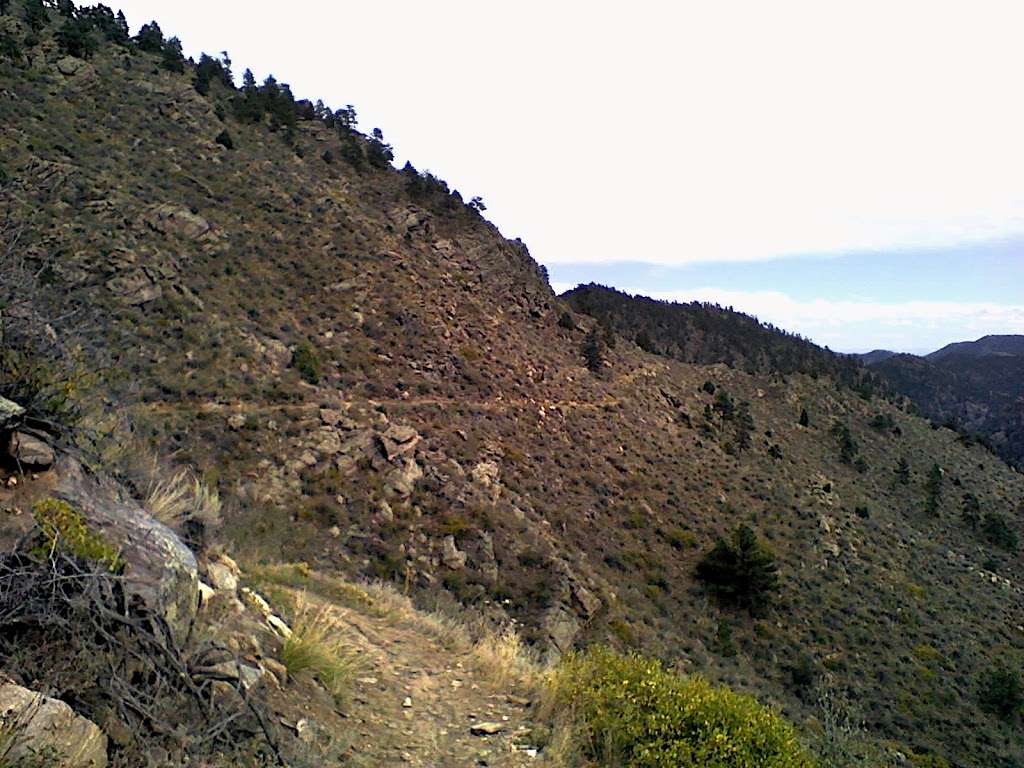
<point>852,172</point>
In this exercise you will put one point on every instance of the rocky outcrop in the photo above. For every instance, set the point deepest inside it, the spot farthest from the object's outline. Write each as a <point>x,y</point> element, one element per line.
<point>47,731</point>
<point>134,287</point>
<point>171,219</point>
<point>160,572</point>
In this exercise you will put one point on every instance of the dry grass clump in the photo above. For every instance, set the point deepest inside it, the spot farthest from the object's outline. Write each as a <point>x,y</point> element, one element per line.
<point>506,662</point>
<point>182,497</point>
<point>316,646</point>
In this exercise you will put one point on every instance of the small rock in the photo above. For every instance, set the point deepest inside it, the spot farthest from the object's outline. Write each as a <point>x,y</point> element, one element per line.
<point>221,577</point>
<point>236,421</point>
<point>277,669</point>
<point>206,593</point>
<point>407,702</point>
<point>486,729</point>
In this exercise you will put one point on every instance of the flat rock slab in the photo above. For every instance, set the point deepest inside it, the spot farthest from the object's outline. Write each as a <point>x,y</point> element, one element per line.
<point>45,726</point>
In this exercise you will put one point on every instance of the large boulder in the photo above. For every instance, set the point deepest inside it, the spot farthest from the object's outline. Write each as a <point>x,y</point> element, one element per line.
<point>48,731</point>
<point>160,571</point>
<point>30,452</point>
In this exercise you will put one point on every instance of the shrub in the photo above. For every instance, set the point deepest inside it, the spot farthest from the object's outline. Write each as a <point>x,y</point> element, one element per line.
<point>306,361</point>
<point>316,647</point>
<point>62,526</point>
<point>1001,692</point>
<point>567,322</point>
<point>998,532</point>
<point>805,420</point>
<point>624,710</point>
<point>225,140</point>
<point>740,570</point>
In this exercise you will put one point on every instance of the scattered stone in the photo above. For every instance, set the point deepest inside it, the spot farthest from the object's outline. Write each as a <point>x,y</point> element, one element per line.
<point>50,725</point>
<point>407,702</point>
<point>486,729</point>
<point>236,421</point>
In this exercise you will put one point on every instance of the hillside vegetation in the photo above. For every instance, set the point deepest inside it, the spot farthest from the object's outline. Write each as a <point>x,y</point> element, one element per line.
<point>379,385</point>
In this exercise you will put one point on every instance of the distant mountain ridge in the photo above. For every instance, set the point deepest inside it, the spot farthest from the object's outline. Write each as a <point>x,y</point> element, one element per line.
<point>876,356</point>
<point>1006,344</point>
<point>976,385</point>
<point>703,333</point>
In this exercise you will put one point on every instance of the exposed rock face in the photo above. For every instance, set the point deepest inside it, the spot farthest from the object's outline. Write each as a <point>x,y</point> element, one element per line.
<point>45,726</point>
<point>161,571</point>
<point>173,219</point>
<point>134,287</point>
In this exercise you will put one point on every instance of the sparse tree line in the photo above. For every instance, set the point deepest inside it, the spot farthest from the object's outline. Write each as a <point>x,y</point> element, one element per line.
<point>81,32</point>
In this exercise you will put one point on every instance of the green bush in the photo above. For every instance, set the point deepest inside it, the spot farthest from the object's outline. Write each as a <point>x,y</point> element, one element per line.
<point>624,710</point>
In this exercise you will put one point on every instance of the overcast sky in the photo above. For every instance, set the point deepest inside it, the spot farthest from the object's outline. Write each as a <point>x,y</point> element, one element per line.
<point>779,157</point>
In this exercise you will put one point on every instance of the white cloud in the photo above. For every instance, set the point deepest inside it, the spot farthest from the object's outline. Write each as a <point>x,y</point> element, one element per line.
<point>672,132</point>
<point>860,326</point>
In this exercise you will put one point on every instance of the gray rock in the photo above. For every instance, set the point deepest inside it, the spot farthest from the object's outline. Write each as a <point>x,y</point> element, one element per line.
<point>451,555</point>
<point>69,65</point>
<point>221,577</point>
<point>30,452</point>
<point>49,726</point>
<point>134,287</point>
<point>160,570</point>
<point>486,729</point>
<point>171,219</point>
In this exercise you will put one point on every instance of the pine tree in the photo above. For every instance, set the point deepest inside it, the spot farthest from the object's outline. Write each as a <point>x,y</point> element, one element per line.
<point>150,38</point>
<point>172,58</point>
<point>75,38</point>
<point>902,471</point>
<point>934,488</point>
<point>740,570</point>
<point>805,420</point>
<point>593,351</point>
<point>35,15</point>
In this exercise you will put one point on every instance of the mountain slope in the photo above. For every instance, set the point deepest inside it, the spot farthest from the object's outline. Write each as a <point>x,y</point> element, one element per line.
<point>379,383</point>
<point>979,386</point>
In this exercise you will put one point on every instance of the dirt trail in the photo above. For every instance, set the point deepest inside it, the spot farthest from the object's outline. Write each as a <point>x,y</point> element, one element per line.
<point>417,694</point>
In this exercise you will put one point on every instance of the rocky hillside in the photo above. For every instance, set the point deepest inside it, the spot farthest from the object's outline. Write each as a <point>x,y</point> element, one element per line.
<point>977,386</point>
<point>382,386</point>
